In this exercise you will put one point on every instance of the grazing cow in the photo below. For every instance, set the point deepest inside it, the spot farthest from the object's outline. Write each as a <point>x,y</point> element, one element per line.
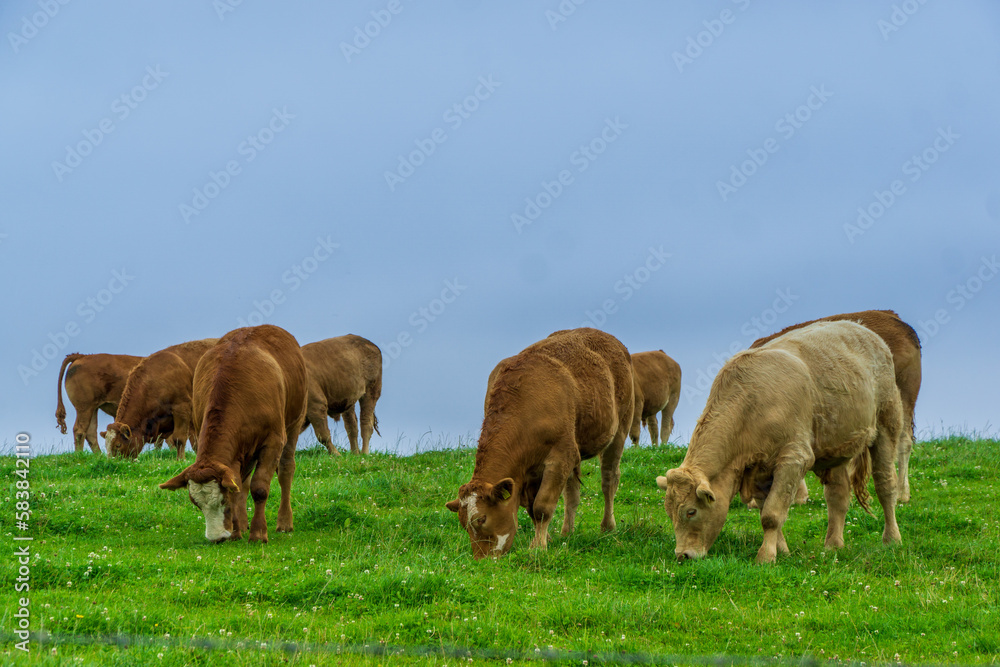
<point>156,401</point>
<point>93,382</point>
<point>561,400</point>
<point>249,400</point>
<point>905,347</point>
<point>813,399</point>
<point>343,371</point>
<point>658,388</point>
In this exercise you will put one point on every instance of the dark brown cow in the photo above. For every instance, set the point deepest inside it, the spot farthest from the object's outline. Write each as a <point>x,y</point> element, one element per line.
<point>156,401</point>
<point>343,371</point>
<point>93,382</point>
<point>658,388</point>
<point>561,400</point>
<point>249,401</point>
<point>905,347</point>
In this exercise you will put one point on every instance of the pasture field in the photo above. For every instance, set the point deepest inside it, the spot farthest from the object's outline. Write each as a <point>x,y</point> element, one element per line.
<point>121,573</point>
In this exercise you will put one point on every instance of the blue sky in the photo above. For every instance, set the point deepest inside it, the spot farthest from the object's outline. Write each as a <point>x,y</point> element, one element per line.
<point>457,180</point>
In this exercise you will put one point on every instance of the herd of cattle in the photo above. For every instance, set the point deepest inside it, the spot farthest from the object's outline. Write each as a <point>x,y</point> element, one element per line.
<point>835,396</point>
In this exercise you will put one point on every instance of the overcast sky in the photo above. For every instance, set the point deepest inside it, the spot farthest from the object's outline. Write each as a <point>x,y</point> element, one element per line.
<point>456,180</point>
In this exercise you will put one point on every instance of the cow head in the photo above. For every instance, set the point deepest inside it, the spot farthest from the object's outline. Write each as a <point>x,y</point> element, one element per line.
<point>488,512</point>
<point>119,440</point>
<point>691,505</point>
<point>211,487</point>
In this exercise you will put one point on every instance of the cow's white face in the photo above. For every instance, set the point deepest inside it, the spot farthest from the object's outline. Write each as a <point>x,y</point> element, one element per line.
<point>697,517</point>
<point>211,501</point>
<point>490,520</point>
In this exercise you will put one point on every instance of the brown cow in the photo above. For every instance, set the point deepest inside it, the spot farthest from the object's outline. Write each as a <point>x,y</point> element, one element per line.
<point>343,371</point>
<point>905,347</point>
<point>658,388</point>
<point>561,400</point>
<point>93,382</point>
<point>813,399</point>
<point>249,401</point>
<point>156,401</point>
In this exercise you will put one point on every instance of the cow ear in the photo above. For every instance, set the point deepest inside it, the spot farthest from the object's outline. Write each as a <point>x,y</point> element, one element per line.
<point>705,493</point>
<point>453,505</point>
<point>502,490</point>
<point>103,434</point>
<point>178,482</point>
<point>661,482</point>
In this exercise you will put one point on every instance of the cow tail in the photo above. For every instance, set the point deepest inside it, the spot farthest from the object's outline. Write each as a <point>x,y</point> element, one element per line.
<point>60,408</point>
<point>375,423</point>
<point>862,471</point>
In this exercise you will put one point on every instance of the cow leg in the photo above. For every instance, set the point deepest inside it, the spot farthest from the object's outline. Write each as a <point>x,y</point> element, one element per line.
<point>903,456</point>
<point>837,490</point>
<point>610,476</point>
<point>237,521</point>
<point>774,512</point>
<point>883,453</point>
<point>667,422</point>
<point>367,408</point>
<point>322,430</point>
<point>260,486</point>
<point>351,426</point>
<point>554,479</point>
<point>92,436</point>
<point>802,493</point>
<point>654,429</point>
<point>286,471</point>
<point>158,443</point>
<point>81,426</point>
<point>571,500</point>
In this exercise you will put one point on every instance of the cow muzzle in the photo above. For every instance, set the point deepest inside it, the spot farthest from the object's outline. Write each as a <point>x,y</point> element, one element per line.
<point>688,554</point>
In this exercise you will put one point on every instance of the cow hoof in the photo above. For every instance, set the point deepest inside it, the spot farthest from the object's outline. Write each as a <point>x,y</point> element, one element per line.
<point>258,538</point>
<point>282,529</point>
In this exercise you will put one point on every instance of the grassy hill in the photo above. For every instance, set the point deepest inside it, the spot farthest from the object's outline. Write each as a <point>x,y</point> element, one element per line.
<point>121,572</point>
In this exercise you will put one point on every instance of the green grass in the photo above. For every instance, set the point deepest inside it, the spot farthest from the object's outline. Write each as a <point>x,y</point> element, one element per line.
<point>377,560</point>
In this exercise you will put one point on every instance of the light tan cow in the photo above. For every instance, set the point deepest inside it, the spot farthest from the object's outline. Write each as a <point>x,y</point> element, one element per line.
<point>559,401</point>
<point>343,371</point>
<point>813,399</point>
<point>905,347</point>
<point>658,388</point>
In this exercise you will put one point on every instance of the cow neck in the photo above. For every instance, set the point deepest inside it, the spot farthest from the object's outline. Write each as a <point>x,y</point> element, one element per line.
<point>719,457</point>
<point>499,455</point>
<point>218,443</point>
